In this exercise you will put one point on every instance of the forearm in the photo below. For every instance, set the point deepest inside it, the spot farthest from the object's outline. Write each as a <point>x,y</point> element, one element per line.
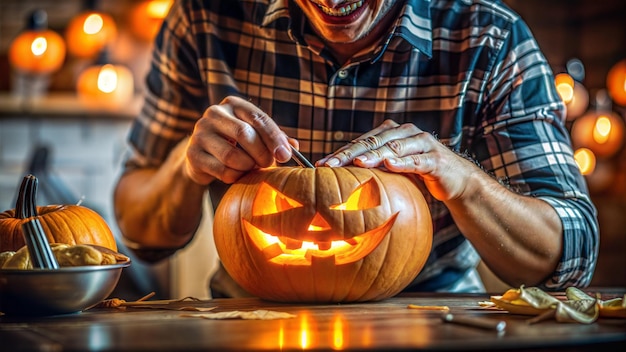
<point>518,237</point>
<point>159,208</point>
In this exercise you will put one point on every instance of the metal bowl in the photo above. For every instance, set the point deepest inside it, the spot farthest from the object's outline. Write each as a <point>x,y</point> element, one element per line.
<point>57,291</point>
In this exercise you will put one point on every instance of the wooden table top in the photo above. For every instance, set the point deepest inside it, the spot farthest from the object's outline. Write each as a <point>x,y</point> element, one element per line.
<point>386,325</point>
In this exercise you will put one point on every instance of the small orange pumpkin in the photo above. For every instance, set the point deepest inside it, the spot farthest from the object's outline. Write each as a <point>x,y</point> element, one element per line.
<point>616,82</point>
<point>601,131</point>
<point>342,234</point>
<point>147,17</point>
<point>105,86</point>
<point>37,50</point>
<point>69,224</point>
<point>90,32</point>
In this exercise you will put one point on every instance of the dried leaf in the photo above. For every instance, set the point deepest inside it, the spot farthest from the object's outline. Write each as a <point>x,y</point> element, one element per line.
<point>613,308</point>
<point>260,314</point>
<point>579,307</point>
<point>578,311</point>
<point>418,307</point>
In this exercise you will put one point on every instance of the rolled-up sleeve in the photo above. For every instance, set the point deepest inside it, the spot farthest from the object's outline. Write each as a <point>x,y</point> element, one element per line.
<point>525,144</point>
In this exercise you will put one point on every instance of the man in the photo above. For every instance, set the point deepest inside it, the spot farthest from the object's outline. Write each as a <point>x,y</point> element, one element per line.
<point>455,92</point>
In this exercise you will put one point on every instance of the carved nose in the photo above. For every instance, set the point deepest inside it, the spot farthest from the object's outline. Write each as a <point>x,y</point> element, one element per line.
<point>318,223</point>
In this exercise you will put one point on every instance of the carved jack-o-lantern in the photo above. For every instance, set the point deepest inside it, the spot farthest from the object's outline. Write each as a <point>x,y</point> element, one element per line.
<point>323,235</point>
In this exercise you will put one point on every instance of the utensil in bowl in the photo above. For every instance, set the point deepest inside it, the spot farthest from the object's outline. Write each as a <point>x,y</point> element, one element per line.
<point>38,247</point>
<point>34,235</point>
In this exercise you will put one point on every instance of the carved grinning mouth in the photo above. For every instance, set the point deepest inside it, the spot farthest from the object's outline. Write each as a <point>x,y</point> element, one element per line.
<point>339,252</point>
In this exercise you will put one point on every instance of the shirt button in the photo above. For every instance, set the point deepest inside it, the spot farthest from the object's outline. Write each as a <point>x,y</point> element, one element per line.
<point>338,135</point>
<point>342,74</point>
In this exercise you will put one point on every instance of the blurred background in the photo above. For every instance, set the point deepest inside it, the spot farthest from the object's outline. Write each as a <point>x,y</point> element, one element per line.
<point>71,79</point>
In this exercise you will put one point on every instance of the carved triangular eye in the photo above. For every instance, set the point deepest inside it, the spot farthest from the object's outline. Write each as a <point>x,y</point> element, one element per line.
<point>269,200</point>
<point>366,196</point>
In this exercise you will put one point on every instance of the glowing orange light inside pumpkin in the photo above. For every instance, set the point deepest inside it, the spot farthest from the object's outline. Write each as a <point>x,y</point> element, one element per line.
<point>579,102</point>
<point>105,86</point>
<point>158,9</point>
<point>107,79</point>
<point>270,201</point>
<point>278,251</point>
<point>146,18</point>
<point>602,130</point>
<point>616,82</point>
<point>586,160</point>
<point>93,24</point>
<point>39,46</point>
<point>357,201</point>
<point>283,248</point>
<point>565,86</point>
<point>351,204</point>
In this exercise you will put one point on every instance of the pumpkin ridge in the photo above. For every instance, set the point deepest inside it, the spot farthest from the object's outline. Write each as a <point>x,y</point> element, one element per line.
<point>338,277</point>
<point>387,239</point>
<point>292,288</point>
<point>361,262</point>
<point>414,243</point>
<point>358,180</point>
<point>410,254</point>
<point>429,220</point>
<point>311,272</point>
<point>379,277</point>
<point>316,287</point>
<point>97,225</point>
<point>286,180</point>
<point>247,241</point>
<point>244,239</point>
<point>285,273</point>
<point>64,226</point>
<point>385,188</point>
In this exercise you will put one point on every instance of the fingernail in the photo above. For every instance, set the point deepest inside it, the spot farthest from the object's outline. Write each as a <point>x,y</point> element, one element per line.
<point>332,162</point>
<point>362,158</point>
<point>281,154</point>
<point>392,161</point>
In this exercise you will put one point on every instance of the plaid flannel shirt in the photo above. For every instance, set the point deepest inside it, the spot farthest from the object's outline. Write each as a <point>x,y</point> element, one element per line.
<point>470,72</point>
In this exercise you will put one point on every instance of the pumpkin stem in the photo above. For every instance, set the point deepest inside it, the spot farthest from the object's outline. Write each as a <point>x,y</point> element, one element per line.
<point>26,205</point>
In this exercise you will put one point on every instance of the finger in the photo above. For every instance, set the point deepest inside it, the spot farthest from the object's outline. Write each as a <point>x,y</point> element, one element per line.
<point>421,164</point>
<point>375,158</point>
<point>416,153</point>
<point>219,134</point>
<point>273,139</point>
<point>294,142</point>
<point>372,150</point>
<point>203,167</point>
<point>345,154</point>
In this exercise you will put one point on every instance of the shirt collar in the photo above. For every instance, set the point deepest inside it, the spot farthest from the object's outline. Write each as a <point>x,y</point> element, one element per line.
<point>275,10</point>
<point>414,24</point>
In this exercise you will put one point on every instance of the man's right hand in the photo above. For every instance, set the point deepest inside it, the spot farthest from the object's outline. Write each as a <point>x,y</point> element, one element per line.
<point>232,138</point>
